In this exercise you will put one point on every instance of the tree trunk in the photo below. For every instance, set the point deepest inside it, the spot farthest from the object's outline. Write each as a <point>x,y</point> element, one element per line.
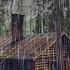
<point>58,34</point>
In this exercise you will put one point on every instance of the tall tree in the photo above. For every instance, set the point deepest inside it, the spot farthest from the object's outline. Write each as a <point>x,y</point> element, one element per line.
<point>58,33</point>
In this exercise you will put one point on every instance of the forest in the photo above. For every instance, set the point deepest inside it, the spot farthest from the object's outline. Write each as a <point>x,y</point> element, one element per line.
<point>38,16</point>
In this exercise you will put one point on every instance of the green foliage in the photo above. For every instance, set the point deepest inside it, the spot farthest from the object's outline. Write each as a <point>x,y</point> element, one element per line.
<point>2,19</point>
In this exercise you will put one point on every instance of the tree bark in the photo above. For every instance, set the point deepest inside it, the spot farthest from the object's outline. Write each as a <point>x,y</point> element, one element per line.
<point>58,34</point>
